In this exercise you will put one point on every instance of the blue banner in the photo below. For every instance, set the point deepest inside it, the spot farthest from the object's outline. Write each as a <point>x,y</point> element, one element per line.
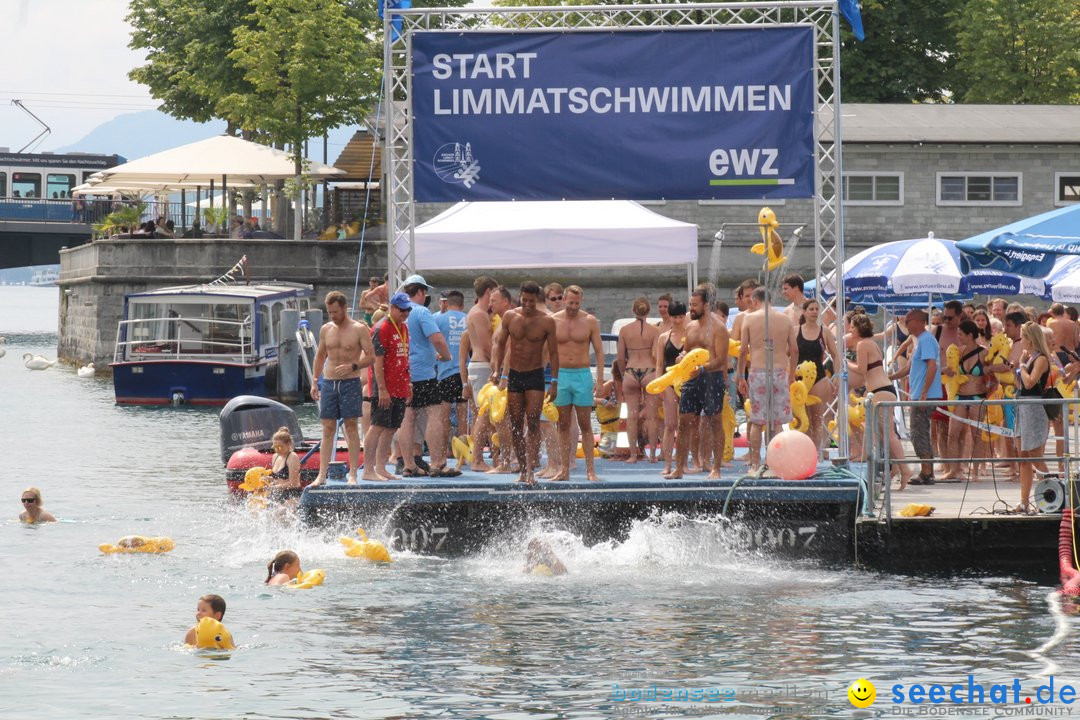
<point>634,115</point>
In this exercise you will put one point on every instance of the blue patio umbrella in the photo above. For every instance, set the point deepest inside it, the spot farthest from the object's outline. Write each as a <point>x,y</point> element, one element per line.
<point>923,267</point>
<point>1026,247</point>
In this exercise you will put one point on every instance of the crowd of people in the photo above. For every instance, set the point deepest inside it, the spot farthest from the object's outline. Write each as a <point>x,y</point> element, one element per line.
<point>407,376</point>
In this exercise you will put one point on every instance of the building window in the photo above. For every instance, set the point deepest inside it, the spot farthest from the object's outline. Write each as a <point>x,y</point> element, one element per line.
<point>874,188</point>
<point>980,189</point>
<point>1067,188</point>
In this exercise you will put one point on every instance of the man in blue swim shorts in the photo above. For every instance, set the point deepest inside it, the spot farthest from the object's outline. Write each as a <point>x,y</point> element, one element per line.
<point>575,331</point>
<point>345,349</point>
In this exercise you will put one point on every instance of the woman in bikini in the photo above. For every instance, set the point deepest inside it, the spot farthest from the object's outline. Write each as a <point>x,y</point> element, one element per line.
<point>972,362</point>
<point>856,379</point>
<point>669,346</point>
<point>284,468</point>
<point>814,341</point>
<point>636,360</point>
<point>869,364</point>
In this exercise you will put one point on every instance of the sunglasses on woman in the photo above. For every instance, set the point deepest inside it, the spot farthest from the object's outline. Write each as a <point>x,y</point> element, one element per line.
<point>29,501</point>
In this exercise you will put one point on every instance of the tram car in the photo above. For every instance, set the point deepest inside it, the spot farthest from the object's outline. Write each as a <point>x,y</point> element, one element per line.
<point>37,186</point>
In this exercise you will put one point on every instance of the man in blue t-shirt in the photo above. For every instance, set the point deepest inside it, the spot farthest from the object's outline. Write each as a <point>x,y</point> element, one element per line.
<point>924,383</point>
<point>451,324</point>
<point>426,346</point>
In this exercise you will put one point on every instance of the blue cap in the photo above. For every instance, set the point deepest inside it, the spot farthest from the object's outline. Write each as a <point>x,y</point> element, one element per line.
<point>401,300</point>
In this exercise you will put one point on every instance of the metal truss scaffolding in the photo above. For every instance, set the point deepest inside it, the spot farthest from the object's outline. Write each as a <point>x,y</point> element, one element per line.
<point>821,15</point>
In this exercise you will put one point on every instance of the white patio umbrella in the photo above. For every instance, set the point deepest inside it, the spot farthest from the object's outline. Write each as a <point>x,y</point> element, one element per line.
<point>223,158</point>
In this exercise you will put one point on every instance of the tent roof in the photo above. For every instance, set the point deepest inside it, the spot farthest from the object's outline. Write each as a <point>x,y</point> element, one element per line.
<point>593,233</point>
<point>238,159</point>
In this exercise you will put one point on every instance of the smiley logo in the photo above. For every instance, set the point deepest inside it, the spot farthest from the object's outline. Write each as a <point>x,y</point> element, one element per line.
<point>862,693</point>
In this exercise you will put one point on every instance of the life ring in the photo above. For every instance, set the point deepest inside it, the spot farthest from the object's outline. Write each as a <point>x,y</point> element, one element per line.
<point>139,544</point>
<point>212,635</point>
<point>306,580</point>
<point>372,550</point>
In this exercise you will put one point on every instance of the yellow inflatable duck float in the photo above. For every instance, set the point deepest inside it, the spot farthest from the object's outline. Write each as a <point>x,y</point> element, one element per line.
<point>953,382</point>
<point>306,580</point>
<point>138,544</point>
<point>680,372</point>
<point>1067,390</point>
<point>484,396</point>
<point>733,348</point>
<point>550,411</point>
<point>771,245</point>
<point>462,448</point>
<point>998,354</point>
<point>856,416</point>
<point>805,377</point>
<point>210,634</point>
<point>727,422</point>
<point>372,550</point>
<point>497,410</point>
<point>257,487</point>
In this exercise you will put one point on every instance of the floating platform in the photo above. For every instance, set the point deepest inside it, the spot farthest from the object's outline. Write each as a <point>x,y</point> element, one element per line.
<point>813,518</point>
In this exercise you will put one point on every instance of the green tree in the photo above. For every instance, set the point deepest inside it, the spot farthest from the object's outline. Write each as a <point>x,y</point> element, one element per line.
<point>909,54</point>
<point>187,44</point>
<point>1020,51</point>
<point>311,66</point>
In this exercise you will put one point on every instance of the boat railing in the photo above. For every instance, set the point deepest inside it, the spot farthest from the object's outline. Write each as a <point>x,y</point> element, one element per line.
<point>880,463</point>
<point>142,339</point>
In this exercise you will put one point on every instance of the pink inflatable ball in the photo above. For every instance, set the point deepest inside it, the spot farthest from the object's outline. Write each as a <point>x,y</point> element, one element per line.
<point>792,455</point>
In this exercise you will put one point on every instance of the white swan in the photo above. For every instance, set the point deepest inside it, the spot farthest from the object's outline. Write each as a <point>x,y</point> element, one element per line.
<point>86,371</point>
<point>37,362</point>
<point>3,350</point>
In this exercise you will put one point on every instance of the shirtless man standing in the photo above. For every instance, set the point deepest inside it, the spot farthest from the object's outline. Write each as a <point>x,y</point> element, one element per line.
<point>792,290</point>
<point>704,393</point>
<point>575,331</point>
<point>756,347</point>
<point>528,330</point>
<point>1066,332</point>
<point>476,368</point>
<point>345,349</point>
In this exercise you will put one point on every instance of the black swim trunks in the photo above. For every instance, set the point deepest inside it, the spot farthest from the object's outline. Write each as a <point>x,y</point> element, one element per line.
<point>519,382</point>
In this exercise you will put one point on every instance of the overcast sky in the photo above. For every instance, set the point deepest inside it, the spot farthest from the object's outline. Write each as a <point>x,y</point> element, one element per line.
<point>67,60</point>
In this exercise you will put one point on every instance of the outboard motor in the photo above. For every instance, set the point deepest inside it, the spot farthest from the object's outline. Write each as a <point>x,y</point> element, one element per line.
<point>251,421</point>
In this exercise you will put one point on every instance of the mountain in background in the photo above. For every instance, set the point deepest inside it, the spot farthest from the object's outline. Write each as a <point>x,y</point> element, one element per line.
<point>143,133</point>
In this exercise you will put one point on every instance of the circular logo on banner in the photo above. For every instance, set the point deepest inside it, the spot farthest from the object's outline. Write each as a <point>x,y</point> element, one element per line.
<point>455,163</point>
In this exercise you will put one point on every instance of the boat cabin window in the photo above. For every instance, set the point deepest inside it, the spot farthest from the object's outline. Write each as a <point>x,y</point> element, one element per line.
<point>190,328</point>
<point>265,337</point>
<point>277,308</point>
<point>27,185</point>
<point>59,185</point>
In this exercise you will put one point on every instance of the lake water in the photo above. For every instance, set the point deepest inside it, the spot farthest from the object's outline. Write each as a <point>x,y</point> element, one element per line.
<point>87,635</point>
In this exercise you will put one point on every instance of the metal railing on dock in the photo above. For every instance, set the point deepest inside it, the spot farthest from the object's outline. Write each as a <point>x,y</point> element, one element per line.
<point>880,463</point>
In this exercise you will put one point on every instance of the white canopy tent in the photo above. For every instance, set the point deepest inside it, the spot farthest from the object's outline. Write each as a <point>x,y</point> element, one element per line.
<point>543,234</point>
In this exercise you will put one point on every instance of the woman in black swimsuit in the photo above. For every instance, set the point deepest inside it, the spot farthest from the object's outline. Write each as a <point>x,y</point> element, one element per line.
<point>813,341</point>
<point>635,357</point>
<point>669,346</point>
<point>869,363</point>
<point>965,441</point>
<point>285,467</point>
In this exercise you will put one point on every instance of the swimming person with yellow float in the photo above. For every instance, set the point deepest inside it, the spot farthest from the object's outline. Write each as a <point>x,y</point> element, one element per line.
<point>208,632</point>
<point>33,512</point>
<point>283,569</point>
<point>540,559</point>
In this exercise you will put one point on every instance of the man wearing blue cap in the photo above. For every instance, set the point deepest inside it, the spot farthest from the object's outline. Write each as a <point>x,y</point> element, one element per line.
<point>426,346</point>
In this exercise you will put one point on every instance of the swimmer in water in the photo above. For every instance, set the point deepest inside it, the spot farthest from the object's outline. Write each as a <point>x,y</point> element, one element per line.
<point>33,512</point>
<point>540,559</point>
<point>208,606</point>
<point>283,568</point>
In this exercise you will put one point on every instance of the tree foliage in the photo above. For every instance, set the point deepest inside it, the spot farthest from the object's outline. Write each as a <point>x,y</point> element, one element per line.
<point>186,44</point>
<point>1020,51</point>
<point>909,54</point>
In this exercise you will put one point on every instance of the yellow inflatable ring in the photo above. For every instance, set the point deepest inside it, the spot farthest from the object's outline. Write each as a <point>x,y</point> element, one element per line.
<point>211,634</point>
<point>138,544</point>
<point>372,550</point>
<point>306,580</point>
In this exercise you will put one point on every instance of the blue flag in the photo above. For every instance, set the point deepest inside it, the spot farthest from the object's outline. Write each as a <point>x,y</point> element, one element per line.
<point>395,24</point>
<point>850,10</point>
